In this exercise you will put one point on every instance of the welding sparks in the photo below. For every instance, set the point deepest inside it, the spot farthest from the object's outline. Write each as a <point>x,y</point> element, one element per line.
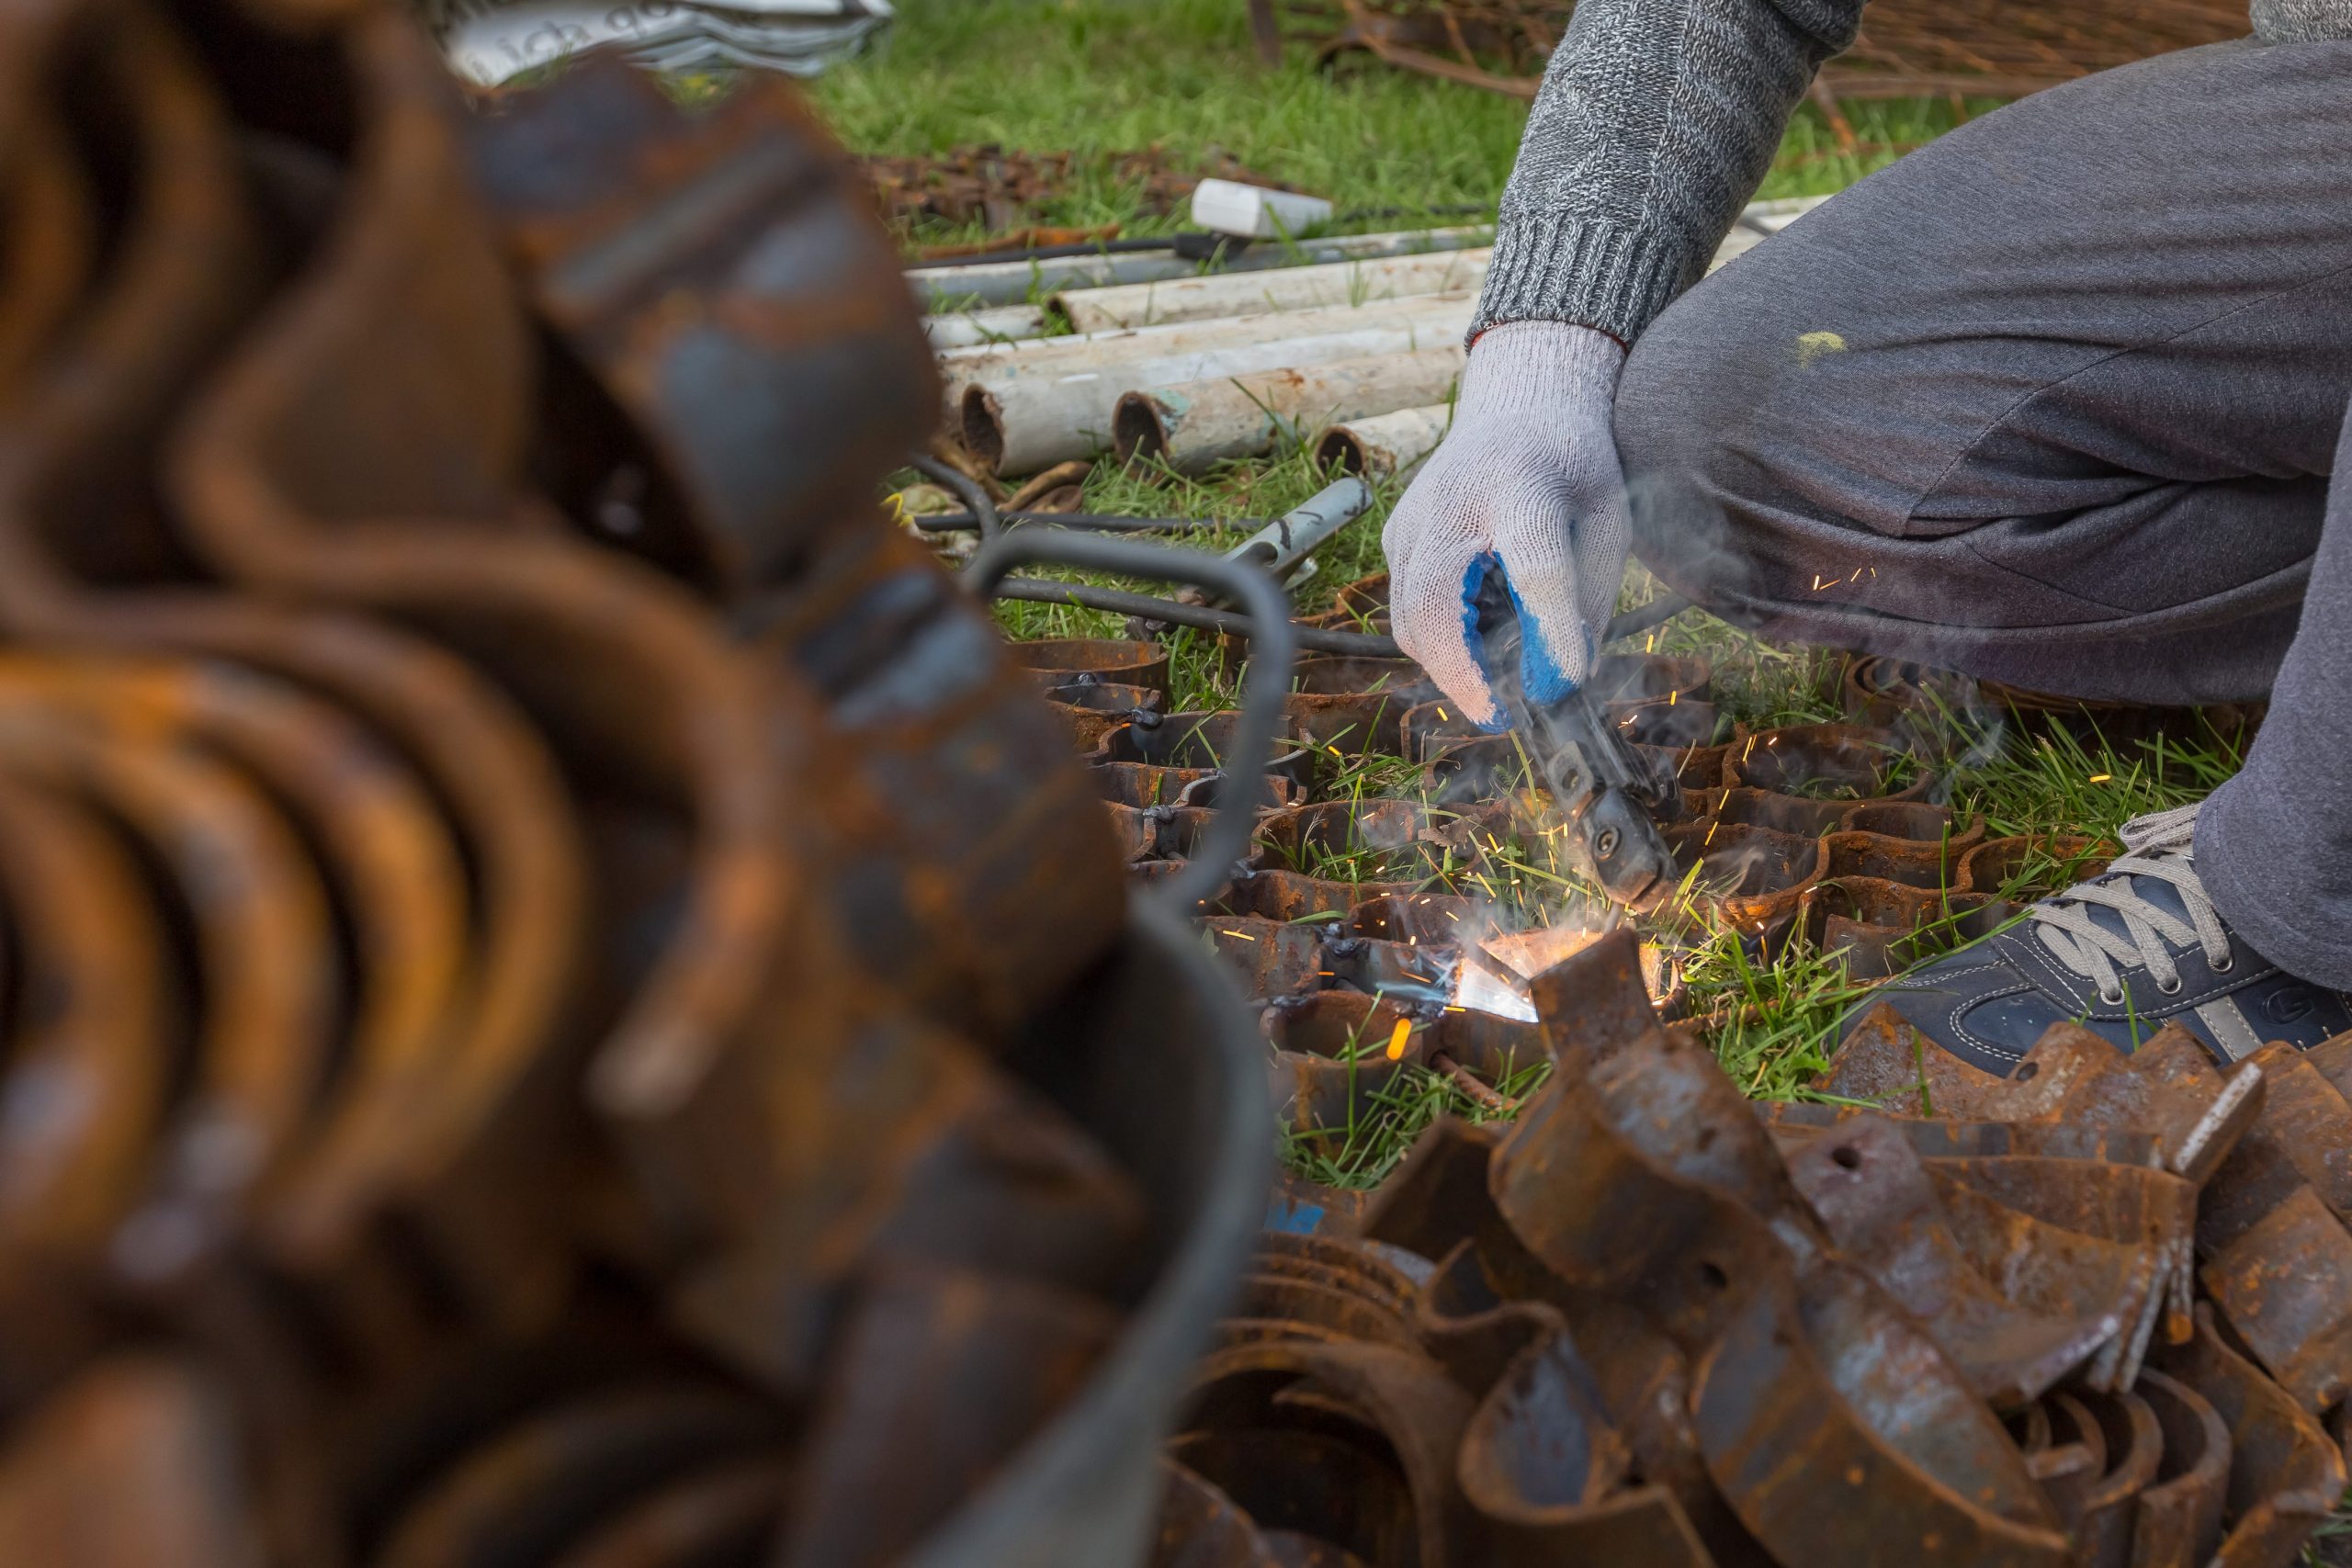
<point>1243,935</point>
<point>2100,778</point>
<point>1404,1032</point>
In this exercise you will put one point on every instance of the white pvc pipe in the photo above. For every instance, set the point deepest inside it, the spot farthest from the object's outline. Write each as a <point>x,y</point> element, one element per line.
<point>1022,422</point>
<point>1386,446</point>
<point>1258,293</point>
<point>1013,282</point>
<point>991,362</point>
<point>1000,324</point>
<point>1198,424</point>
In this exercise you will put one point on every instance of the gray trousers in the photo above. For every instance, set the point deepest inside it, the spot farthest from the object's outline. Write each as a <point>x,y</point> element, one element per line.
<point>2054,401</point>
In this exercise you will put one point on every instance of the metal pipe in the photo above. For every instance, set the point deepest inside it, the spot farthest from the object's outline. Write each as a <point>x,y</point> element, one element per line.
<point>967,329</point>
<point>1198,424</point>
<point>1387,444</point>
<point>1010,283</point>
<point>1226,294</point>
<point>1226,839</point>
<point>1313,640</point>
<point>1022,422</point>
<point>1088,522</point>
<point>1281,545</point>
<point>1066,351</point>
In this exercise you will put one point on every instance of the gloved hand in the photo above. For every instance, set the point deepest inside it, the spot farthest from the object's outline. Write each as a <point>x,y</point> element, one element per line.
<point>1526,482</point>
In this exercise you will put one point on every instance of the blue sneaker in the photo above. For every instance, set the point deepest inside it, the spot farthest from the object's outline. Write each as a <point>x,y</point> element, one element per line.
<point>2123,955</point>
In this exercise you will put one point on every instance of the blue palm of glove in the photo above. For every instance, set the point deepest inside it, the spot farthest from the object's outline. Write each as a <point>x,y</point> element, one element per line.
<point>1526,485</point>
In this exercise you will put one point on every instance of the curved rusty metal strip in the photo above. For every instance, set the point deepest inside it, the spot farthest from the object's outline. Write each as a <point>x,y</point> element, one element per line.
<point>725,1515</point>
<point>548,1480</point>
<point>1547,1474</point>
<point>1879,1208</point>
<point>181,274</point>
<point>298,477</point>
<point>133,1464</point>
<point>2178,1517</point>
<point>2135,1445</point>
<point>2287,1474</point>
<point>48,239</point>
<point>86,1080</point>
<point>1402,1396</point>
<point>1200,1527</point>
<point>395,873</point>
<point>265,1043</point>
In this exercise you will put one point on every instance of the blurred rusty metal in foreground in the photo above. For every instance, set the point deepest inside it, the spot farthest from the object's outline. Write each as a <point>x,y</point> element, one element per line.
<point>566,999</point>
<point>1996,48</point>
<point>2095,1312</point>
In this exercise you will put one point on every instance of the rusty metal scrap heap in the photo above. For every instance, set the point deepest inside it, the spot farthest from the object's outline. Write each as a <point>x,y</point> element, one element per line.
<point>2092,1314</point>
<point>567,1002</point>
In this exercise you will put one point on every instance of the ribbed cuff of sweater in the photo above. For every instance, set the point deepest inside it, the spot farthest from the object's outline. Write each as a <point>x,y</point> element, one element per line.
<point>1571,269</point>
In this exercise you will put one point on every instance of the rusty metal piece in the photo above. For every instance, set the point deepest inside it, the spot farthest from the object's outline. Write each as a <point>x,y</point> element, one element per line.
<point>1792,1353</point>
<point>1093,708</point>
<point>1197,743</point>
<point>133,1464</point>
<point>550,1481</point>
<point>1332,1057</point>
<point>1300,1434</point>
<point>1391,840</point>
<point>730,1512</point>
<point>912,1416</point>
<point>2133,1442</point>
<point>2024,868</point>
<point>1115,660</point>
<point>1430,730</point>
<point>613,205</point>
<point>2284,1284</point>
<point>1344,724</point>
<point>1142,784</point>
<point>1200,1527</point>
<point>1825,762</point>
<point>2179,1515</point>
<point>1754,879</point>
<point>88,1058</point>
<point>1879,1208</point>
<point>264,1043</point>
<point>2286,1473</point>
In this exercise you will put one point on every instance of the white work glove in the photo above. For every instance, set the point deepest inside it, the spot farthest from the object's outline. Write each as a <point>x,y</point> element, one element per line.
<point>1526,482</point>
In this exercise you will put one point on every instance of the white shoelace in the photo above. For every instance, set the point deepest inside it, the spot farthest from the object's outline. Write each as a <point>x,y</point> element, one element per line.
<point>2156,846</point>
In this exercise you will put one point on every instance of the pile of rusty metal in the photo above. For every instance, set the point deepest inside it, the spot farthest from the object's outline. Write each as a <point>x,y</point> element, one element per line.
<point>1830,831</point>
<point>1907,48</point>
<point>566,999</point>
<point>2097,1313</point>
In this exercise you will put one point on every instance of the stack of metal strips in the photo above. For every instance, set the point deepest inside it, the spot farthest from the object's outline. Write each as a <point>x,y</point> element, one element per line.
<point>566,1000</point>
<point>2092,1314</point>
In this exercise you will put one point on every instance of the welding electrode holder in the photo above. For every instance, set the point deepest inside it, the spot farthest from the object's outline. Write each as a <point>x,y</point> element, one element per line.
<point>1272,651</point>
<point>1608,791</point>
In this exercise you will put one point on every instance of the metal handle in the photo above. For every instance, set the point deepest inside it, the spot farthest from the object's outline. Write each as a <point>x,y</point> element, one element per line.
<point>1267,685</point>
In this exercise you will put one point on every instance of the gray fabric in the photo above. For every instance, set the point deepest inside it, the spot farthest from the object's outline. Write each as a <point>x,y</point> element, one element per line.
<point>1656,120</point>
<point>2273,845</point>
<point>2055,401</point>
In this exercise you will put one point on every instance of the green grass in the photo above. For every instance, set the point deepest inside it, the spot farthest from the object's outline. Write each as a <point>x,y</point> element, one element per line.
<point>1102,77</point>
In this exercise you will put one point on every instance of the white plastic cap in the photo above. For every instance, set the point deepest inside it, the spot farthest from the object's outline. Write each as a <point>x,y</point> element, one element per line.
<point>1227,207</point>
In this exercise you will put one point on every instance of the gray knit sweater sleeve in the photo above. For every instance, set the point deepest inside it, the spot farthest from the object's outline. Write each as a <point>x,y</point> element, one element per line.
<point>1655,121</point>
